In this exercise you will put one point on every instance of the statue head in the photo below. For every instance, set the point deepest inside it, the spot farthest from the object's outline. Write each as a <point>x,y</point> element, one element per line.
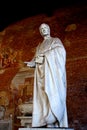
<point>44,29</point>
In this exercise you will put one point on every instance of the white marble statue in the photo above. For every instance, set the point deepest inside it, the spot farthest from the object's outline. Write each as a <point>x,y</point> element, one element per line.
<point>49,97</point>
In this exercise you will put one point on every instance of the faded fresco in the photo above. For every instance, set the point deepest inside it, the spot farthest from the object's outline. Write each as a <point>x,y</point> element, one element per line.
<point>18,43</point>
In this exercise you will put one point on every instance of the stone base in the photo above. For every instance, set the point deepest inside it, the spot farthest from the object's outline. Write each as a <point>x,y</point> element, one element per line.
<point>45,128</point>
<point>6,124</point>
<point>25,120</point>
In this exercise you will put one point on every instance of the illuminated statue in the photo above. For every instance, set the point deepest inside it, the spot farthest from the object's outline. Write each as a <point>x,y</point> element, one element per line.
<point>49,97</point>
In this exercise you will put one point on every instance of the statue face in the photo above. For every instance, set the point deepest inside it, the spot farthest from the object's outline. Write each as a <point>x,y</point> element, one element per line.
<point>44,29</point>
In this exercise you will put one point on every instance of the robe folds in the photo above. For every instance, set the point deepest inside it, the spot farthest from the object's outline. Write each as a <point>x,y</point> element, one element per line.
<point>50,87</point>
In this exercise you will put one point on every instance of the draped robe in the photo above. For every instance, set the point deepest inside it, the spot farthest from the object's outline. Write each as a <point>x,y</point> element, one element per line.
<point>49,95</point>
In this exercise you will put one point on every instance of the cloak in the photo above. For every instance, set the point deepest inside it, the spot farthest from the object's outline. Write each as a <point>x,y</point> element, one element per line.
<point>49,96</point>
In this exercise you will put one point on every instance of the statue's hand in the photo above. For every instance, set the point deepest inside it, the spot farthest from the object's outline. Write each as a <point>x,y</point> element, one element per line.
<point>41,55</point>
<point>30,64</point>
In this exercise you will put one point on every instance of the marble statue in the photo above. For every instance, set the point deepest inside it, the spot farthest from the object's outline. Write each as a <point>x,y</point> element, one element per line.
<point>50,87</point>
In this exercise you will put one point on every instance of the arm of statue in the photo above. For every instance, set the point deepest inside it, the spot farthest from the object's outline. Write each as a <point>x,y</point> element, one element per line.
<point>31,63</point>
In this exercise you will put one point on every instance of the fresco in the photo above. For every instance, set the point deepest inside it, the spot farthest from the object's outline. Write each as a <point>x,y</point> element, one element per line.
<point>18,43</point>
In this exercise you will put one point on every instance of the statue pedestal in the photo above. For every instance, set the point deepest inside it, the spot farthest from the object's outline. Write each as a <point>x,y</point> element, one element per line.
<point>25,120</point>
<point>45,129</point>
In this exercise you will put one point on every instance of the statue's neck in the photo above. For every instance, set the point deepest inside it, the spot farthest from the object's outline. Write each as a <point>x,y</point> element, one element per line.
<point>47,37</point>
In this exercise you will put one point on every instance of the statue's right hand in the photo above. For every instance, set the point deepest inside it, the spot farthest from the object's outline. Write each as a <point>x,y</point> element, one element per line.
<point>25,62</point>
<point>30,64</point>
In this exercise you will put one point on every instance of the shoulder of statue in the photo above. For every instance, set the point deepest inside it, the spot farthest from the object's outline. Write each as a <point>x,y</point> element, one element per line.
<point>38,45</point>
<point>56,43</point>
<point>56,40</point>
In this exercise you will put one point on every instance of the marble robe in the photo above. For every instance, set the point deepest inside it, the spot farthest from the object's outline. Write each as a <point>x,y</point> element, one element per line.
<point>50,87</point>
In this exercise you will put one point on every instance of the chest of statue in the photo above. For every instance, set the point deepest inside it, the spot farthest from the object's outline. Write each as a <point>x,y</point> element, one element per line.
<point>45,45</point>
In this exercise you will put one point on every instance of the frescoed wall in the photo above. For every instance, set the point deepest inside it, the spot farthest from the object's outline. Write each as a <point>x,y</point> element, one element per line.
<point>18,43</point>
